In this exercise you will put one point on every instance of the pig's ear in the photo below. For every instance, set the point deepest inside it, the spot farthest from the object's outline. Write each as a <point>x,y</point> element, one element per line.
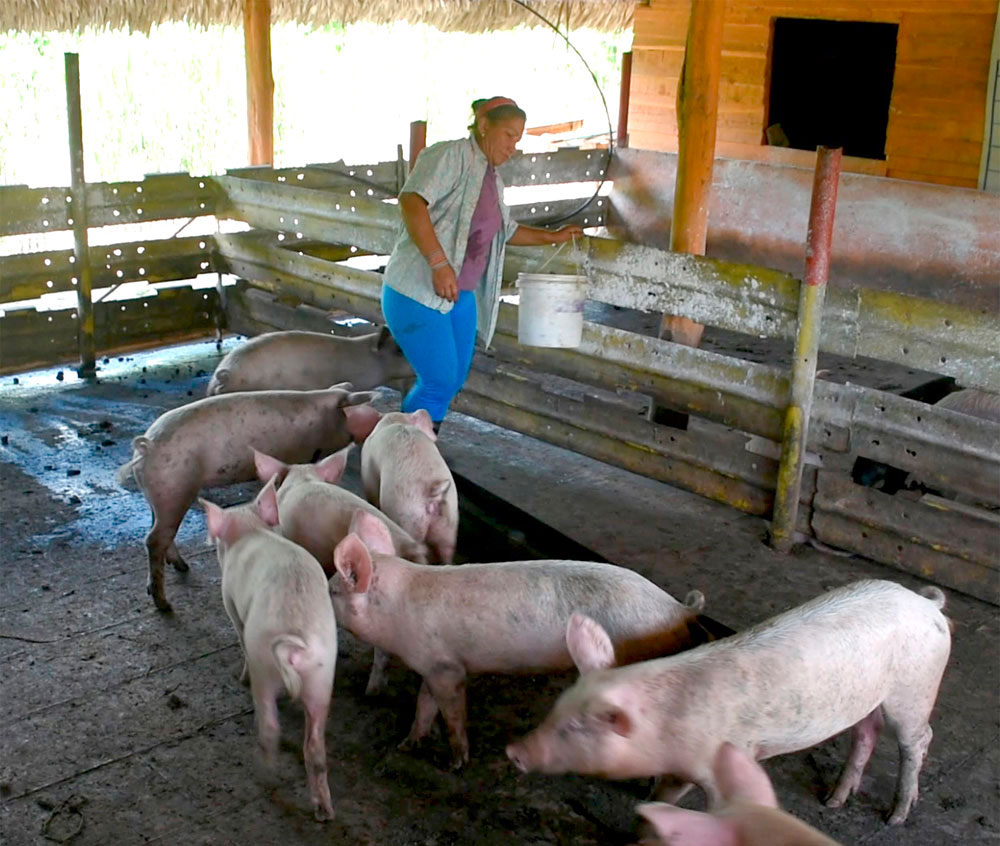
<point>361,419</point>
<point>739,776</point>
<point>353,563</point>
<point>421,418</point>
<point>359,398</point>
<point>680,827</point>
<point>267,502</point>
<point>267,466</point>
<point>215,518</point>
<point>588,643</point>
<point>374,533</point>
<point>331,468</point>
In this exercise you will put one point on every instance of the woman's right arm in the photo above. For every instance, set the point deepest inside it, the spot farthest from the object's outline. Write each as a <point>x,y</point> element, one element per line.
<point>417,219</point>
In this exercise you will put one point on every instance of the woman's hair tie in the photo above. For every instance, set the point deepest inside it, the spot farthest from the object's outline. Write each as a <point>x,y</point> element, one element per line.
<point>494,102</point>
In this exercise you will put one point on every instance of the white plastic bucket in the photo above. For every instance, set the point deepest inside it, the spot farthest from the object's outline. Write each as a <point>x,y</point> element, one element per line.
<point>550,313</point>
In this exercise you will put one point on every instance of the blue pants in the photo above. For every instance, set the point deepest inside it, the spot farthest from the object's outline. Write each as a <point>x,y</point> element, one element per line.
<point>438,346</point>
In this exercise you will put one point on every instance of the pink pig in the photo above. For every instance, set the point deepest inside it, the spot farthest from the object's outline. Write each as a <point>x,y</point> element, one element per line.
<point>446,622</point>
<point>861,654</point>
<point>316,514</point>
<point>405,476</point>
<point>207,443</point>
<point>275,594</point>
<point>749,814</point>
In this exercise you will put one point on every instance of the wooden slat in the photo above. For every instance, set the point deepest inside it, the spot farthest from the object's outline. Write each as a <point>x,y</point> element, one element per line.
<point>28,276</point>
<point>30,338</point>
<point>935,165</point>
<point>937,179</point>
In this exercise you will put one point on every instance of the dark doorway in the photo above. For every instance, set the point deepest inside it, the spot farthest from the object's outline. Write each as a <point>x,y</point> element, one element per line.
<point>830,84</point>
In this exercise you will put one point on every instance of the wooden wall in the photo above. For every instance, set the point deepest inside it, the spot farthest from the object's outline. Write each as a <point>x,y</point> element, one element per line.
<point>937,111</point>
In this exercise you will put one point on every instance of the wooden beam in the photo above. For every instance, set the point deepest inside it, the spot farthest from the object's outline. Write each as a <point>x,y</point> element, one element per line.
<point>697,107</point>
<point>78,215</point>
<point>260,83</point>
<point>623,97</point>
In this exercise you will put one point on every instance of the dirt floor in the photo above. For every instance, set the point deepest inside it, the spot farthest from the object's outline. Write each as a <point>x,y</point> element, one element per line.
<point>122,725</point>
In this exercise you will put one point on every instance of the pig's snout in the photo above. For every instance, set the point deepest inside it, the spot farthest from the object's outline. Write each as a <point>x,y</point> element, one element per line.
<point>521,757</point>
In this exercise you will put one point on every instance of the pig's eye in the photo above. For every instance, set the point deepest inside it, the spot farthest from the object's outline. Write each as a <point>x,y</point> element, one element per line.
<point>570,727</point>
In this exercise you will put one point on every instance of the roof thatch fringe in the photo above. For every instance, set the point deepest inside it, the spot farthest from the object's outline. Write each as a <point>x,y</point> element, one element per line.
<point>446,15</point>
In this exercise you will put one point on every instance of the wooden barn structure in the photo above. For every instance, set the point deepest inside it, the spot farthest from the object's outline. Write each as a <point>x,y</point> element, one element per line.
<point>914,269</point>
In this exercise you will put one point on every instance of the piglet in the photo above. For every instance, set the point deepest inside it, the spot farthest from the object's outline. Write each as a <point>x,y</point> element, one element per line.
<point>447,622</point>
<point>869,651</point>
<point>405,476</point>
<point>315,513</point>
<point>208,442</point>
<point>308,361</point>
<point>748,816</point>
<point>275,594</point>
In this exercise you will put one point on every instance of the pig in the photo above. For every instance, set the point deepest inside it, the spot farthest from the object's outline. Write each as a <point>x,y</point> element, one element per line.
<point>405,476</point>
<point>975,403</point>
<point>316,514</point>
<point>749,815</point>
<point>208,442</point>
<point>866,652</point>
<point>275,594</point>
<point>446,622</point>
<point>309,361</point>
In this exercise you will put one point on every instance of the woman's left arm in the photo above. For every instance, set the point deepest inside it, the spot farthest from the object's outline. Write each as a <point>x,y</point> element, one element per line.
<point>534,236</point>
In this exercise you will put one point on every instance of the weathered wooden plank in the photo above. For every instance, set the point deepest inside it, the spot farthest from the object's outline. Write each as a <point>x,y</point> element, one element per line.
<point>29,275</point>
<point>26,210</point>
<point>950,548</point>
<point>566,165</point>
<point>587,211</point>
<point>30,338</point>
<point>957,532</point>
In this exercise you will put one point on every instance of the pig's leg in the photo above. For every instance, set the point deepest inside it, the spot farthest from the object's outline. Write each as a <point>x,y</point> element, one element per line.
<point>167,517</point>
<point>234,618</point>
<point>441,540</point>
<point>908,714</point>
<point>376,681</point>
<point>864,736</point>
<point>316,702</point>
<point>266,710</point>
<point>447,685</point>
<point>427,709</point>
<point>174,557</point>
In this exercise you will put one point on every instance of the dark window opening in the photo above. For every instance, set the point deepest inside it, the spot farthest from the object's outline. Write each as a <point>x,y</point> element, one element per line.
<point>830,85</point>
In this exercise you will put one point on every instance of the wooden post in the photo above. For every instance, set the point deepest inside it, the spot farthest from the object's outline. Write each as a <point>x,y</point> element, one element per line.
<point>418,139</point>
<point>623,94</point>
<point>697,105</point>
<point>78,213</point>
<point>260,83</point>
<point>812,293</point>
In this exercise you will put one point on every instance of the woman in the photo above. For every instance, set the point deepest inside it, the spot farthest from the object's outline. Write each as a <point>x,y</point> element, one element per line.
<point>442,282</point>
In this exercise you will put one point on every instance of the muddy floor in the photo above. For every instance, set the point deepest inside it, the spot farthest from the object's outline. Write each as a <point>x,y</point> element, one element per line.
<point>122,725</point>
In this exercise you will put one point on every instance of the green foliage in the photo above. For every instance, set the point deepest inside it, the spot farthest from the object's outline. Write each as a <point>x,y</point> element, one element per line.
<point>176,99</point>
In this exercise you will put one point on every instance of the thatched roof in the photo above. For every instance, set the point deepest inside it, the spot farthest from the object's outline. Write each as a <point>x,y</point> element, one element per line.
<point>449,15</point>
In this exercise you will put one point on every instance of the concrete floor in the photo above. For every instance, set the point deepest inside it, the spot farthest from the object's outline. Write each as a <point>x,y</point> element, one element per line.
<point>128,726</point>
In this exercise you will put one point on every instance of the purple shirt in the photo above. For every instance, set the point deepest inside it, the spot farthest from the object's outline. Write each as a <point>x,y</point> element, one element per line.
<point>486,222</point>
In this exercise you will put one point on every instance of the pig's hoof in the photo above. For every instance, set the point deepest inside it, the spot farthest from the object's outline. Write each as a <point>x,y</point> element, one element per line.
<point>180,565</point>
<point>458,763</point>
<point>160,602</point>
<point>375,687</point>
<point>322,814</point>
<point>408,745</point>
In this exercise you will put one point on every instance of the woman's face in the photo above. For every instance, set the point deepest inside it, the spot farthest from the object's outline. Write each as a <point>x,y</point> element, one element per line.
<point>497,140</point>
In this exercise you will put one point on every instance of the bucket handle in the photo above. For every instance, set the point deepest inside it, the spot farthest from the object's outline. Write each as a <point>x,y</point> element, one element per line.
<point>556,252</point>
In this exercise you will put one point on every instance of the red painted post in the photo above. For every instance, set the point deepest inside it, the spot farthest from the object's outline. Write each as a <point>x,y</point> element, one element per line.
<point>626,88</point>
<point>812,293</point>
<point>418,139</point>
